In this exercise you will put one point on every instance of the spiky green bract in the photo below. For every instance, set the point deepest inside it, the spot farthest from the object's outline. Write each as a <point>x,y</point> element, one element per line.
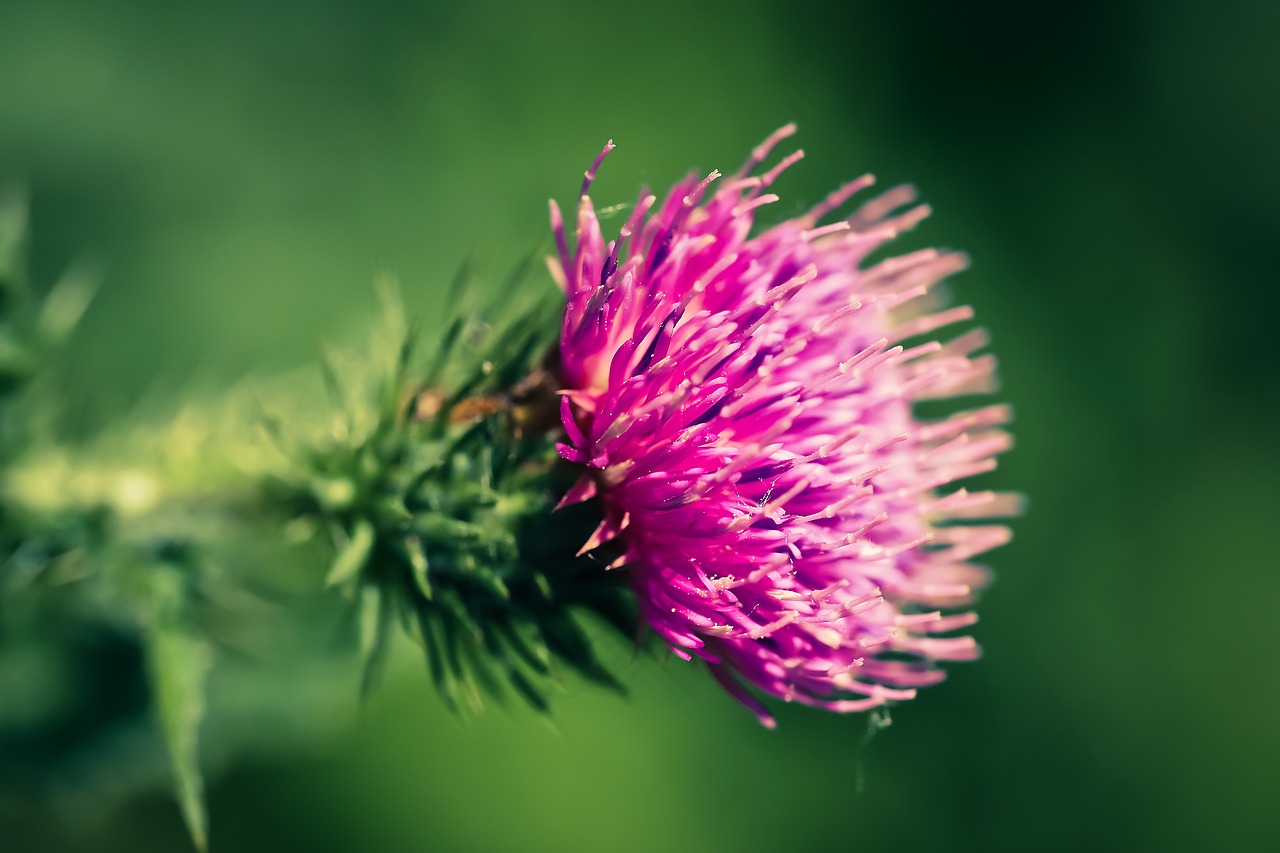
<point>439,510</point>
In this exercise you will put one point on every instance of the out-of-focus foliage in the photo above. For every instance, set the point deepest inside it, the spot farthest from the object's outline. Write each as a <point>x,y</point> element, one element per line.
<point>93,576</point>
<point>435,482</point>
<point>240,171</point>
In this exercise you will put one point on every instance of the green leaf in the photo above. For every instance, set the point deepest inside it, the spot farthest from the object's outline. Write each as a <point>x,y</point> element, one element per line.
<point>352,556</point>
<point>427,625</point>
<point>417,557</point>
<point>332,379</point>
<point>444,349</point>
<point>375,636</point>
<point>570,643</point>
<point>533,651</point>
<point>65,305</point>
<point>179,662</point>
<point>459,635</point>
<point>528,691</point>
<point>13,240</point>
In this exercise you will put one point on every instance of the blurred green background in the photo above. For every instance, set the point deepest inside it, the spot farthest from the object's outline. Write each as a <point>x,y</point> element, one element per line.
<point>240,171</point>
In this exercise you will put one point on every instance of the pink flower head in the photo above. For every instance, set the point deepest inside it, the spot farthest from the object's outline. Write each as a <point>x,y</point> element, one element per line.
<point>742,405</point>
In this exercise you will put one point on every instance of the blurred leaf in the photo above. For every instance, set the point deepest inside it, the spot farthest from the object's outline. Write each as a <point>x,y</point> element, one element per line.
<point>532,651</point>
<point>435,661</point>
<point>65,305</point>
<point>353,556</point>
<point>179,662</point>
<point>333,383</point>
<point>417,557</point>
<point>13,240</point>
<point>526,688</point>
<point>570,643</point>
<point>375,635</point>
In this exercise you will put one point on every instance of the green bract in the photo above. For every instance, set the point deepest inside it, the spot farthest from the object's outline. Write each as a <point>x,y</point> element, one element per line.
<point>439,509</point>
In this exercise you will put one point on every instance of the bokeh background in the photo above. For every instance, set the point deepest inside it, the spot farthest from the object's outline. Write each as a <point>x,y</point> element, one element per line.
<point>240,171</point>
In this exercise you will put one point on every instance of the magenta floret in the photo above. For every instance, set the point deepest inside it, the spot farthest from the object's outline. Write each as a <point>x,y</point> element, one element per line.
<point>742,406</point>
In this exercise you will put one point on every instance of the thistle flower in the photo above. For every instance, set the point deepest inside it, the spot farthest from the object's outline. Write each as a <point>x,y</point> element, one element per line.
<point>741,404</point>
